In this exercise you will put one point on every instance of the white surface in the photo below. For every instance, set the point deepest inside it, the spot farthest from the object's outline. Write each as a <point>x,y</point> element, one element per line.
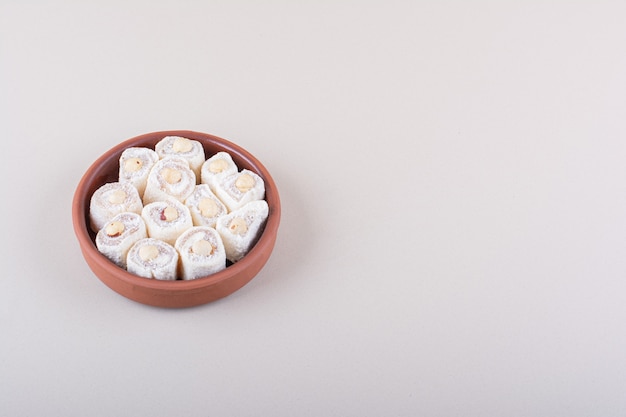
<point>454,207</point>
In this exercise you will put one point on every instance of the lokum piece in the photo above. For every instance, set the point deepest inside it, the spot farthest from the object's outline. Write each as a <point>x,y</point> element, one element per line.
<point>153,258</point>
<point>135,165</point>
<point>166,220</point>
<point>204,206</point>
<point>238,189</point>
<point>169,177</point>
<point>111,199</point>
<point>241,228</point>
<point>201,252</point>
<point>115,239</point>
<point>217,166</point>
<point>190,150</point>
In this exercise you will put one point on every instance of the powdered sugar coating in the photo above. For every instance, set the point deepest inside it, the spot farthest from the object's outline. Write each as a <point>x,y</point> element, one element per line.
<point>166,147</point>
<point>158,187</point>
<point>164,266</point>
<point>210,176</point>
<point>172,182</point>
<point>111,199</point>
<point>232,197</point>
<point>195,204</point>
<point>196,265</point>
<point>237,244</point>
<point>159,227</point>
<point>116,247</point>
<point>137,176</point>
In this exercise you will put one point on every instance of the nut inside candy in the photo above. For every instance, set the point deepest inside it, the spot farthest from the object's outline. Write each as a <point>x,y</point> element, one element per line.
<point>148,252</point>
<point>171,175</point>
<point>238,226</point>
<point>244,183</point>
<point>133,165</point>
<point>208,207</point>
<point>169,214</point>
<point>117,197</point>
<point>202,247</point>
<point>218,166</point>
<point>114,229</point>
<point>182,145</point>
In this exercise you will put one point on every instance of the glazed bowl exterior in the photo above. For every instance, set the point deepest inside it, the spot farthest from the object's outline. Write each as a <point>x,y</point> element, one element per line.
<point>173,294</point>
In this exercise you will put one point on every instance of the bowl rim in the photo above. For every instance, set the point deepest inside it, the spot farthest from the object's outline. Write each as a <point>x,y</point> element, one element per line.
<point>81,227</point>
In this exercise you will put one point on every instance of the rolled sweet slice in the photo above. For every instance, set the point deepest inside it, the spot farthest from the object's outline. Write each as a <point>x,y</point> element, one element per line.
<point>169,177</point>
<point>201,252</point>
<point>115,239</point>
<point>153,258</point>
<point>238,189</point>
<point>166,220</point>
<point>204,206</point>
<point>111,199</point>
<point>218,166</point>
<point>241,228</point>
<point>135,165</point>
<point>188,149</point>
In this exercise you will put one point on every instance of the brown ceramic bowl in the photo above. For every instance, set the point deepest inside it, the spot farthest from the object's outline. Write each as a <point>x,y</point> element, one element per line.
<point>173,293</point>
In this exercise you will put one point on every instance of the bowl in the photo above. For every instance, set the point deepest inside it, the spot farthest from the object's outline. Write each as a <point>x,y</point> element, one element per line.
<point>179,293</point>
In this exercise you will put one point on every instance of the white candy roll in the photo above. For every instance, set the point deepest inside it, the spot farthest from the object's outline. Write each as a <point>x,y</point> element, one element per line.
<point>153,258</point>
<point>111,199</point>
<point>166,220</point>
<point>240,228</point>
<point>135,165</point>
<point>238,189</point>
<point>188,149</point>
<point>201,252</point>
<point>169,177</point>
<point>204,206</point>
<point>218,166</point>
<point>115,239</point>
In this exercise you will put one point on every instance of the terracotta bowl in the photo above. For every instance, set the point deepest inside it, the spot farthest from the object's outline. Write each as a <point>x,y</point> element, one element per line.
<point>179,293</point>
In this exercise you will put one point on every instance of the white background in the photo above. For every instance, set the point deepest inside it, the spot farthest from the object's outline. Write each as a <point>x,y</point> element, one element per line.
<point>453,184</point>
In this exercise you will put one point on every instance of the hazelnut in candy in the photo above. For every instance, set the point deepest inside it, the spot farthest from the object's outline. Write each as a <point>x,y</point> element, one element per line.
<point>115,239</point>
<point>169,177</point>
<point>240,228</point>
<point>135,165</point>
<point>201,252</point>
<point>166,220</point>
<point>153,258</point>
